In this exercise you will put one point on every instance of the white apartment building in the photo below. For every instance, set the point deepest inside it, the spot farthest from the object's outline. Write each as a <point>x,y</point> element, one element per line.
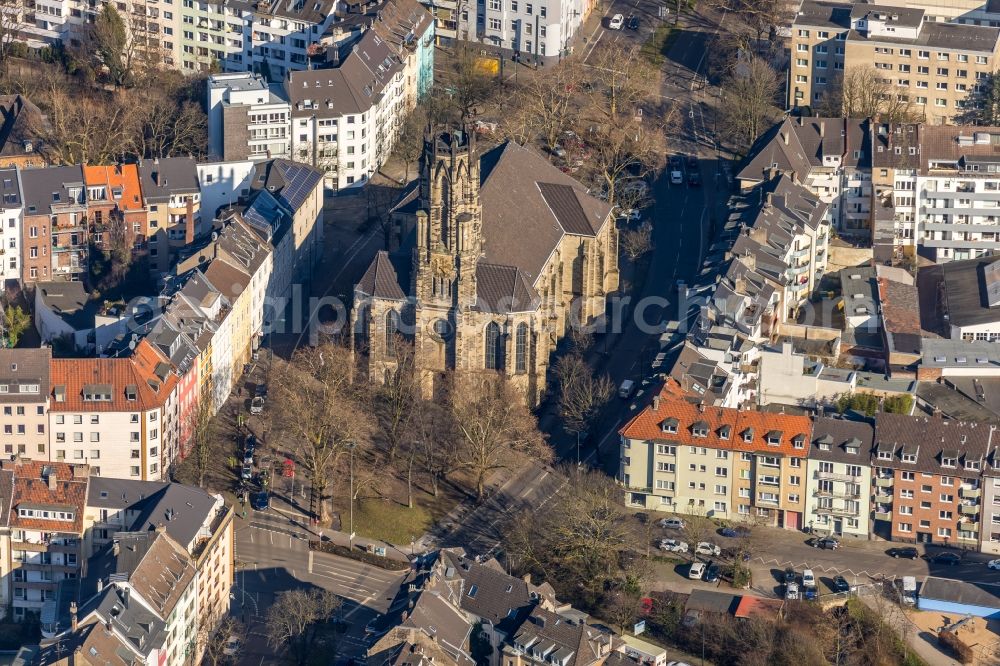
<point>222,184</point>
<point>24,392</point>
<point>838,477</point>
<point>539,31</point>
<point>115,414</point>
<point>277,35</point>
<point>11,217</point>
<point>206,34</point>
<point>248,119</point>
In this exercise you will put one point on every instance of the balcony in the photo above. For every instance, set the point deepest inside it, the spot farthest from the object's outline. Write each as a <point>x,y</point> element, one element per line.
<point>969,509</point>
<point>831,476</point>
<point>834,511</point>
<point>883,482</point>
<point>970,493</point>
<point>839,494</point>
<point>883,515</point>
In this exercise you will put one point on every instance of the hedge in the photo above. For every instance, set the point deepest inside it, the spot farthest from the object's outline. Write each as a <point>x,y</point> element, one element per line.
<point>956,645</point>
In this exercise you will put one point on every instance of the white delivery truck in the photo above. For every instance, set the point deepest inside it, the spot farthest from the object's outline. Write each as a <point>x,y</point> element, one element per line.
<point>909,590</point>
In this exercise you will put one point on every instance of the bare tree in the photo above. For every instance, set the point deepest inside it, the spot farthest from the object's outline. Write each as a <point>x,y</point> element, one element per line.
<point>618,149</point>
<point>749,93</point>
<point>468,82</point>
<point>582,393</point>
<point>296,620</point>
<point>495,428</point>
<point>222,641</point>
<point>410,144</point>
<point>546,105</point>
<point>435,444</point>
<point>637,242</point>
<point>201,434</point>
<point>624,80</point>
<point>865,93</point>
<point>395,401</point>
<point>322,415</point>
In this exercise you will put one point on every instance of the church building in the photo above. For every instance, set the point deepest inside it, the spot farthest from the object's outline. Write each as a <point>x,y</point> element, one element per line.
<point>494,257</point>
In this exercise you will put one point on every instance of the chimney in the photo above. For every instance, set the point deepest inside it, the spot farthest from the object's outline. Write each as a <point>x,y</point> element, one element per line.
<point>189,224</point>
<point>822,129</point>
<point>656,402</point>
<point>161,528</point>
<point>527,578</point>
<point>784,137</point>
<point>107,626</point>
<point>125,597</point>
<point>51,479</point>
<point>701,407</point>
<point>72,615</point>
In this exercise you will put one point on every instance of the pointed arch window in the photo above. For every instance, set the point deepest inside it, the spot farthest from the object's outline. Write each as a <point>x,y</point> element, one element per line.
<point>494,347</point>
<point>521,348</point>
<point>391,330</point>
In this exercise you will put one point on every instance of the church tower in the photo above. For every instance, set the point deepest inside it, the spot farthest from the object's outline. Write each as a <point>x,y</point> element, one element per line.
<point>447,247</point>
<point>449,222</point>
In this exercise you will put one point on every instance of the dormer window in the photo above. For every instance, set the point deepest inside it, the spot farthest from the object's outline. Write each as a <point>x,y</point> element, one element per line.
<point>799,442</point>
<point>948,462</point>
<point>823,446</point>
<point>699,429</point>
<point>909,457</point>
<point>774,438</point>
<point>884,454</point>
<point>724,432</point>
<point>669,426</point>
<point>748,435</point>
<point>972,464</point>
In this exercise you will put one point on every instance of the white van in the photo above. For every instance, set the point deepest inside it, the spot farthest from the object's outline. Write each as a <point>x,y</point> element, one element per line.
<point>626,390</point>
<point>677,177</point>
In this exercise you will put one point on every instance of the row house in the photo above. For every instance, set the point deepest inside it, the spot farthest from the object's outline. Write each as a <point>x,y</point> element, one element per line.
<point>831,157</point>
<point>679,455</point>
<point>115,414</point>
<point>932,66</point>
<point>277,35</point>
<point>41,541</point>
<point>928,479</point>
<point>11,214</point>
<point>839,477</point>
<point>116,212</point>
<point>24,394</point>
<point>172,198</point>
<point>54,236</point>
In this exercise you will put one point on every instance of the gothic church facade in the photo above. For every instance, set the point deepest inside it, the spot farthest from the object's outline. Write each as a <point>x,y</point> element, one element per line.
<point>493,258</point>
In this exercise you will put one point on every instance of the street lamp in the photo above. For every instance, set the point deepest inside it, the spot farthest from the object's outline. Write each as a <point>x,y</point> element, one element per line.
<point>350,447</point>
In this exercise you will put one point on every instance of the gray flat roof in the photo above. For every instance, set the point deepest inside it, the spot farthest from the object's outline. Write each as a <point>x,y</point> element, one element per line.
<point>960,592</point>
<point>943,353</point>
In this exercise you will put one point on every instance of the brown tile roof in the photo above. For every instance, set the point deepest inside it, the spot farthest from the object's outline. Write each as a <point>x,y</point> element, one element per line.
<point>32,486</point>
<point>503,289</point>
<point>163,574</point>
<point>724,427</point>
<point>383,280</point>
<point>900,314</point>
<point>143,372</point>
<point>553,635</point>
<point>929,438</point>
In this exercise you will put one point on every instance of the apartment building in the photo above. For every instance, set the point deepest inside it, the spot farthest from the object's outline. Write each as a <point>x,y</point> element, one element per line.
<point>932,65</point>
<point>832,157</point>
<point>173,204</point>
<point>207,34</point>
<point>683,456</point>
<point>46,505</point>
<point>11,216</point>
<point>115,206</point>
<point>277,34</point>
<point>115,414</point>
<point>24,392</point>
<point>54,241</point>
<point>927,475</point>
<point>532,32</point>
<point>838,474</point>
<point>248,118</point>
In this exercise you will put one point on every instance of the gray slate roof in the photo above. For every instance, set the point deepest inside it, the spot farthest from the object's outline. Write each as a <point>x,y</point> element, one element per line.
<point>956,591</point>
<point>929,437</point>
<point>383,277</point>
<point>10,191</point>
<point>163,177</point>
<point>839,434</point>
<point>485,591</point>
<point>40,184</point>
<point>25,366</point>
<point>503,289</point>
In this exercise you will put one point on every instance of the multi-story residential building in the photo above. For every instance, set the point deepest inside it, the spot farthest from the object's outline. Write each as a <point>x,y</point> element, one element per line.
<point>20,125</point>
<point>24,392</point>
<point>173,203</point>
<point>199,522</point>
<point>54,241</point>
<point>223,184</point>
<point>933,66</point>
<point>681,456</point>
<point>838,478</point>
<point>46,507</point>
<point>11,216</point>
<point>207,35</point>
<point>533,32</point>
<point>116,414</point>
<point>248,118</point>
<point>545,637</point>
<point>277,35</point>
<point>938,188</point>
<point>990,533</point>
<point>115,208</point>
<point>928,479</point>
<point>832,157</point>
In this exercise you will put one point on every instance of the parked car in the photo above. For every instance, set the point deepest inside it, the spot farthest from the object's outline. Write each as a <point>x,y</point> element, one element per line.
<point>257,405</point>
<point>626,390</point>
<point>946,557</point>
<point>260,501</point>
<point>908,552</point>
<point>826,543</point>
<point>616,22</point>
<point>696,570</point>
<point>676,162</point>
<point>712,573</point>
<point>261,390</point>
<point>707,548</point>
<point>630,216</point>
<point>809,593</point>
<point>676,177</point>
<point>840,584</point>
<point>792,591</point>
<point>673,546</point>
<point>672,523</point>
<point>808,579</point>
<point>632,23</point>
<point>246,472</point>
<point>694,179</point>
<point>735,532</point>
<point>993,564</point>
<point>790,575</point>
<point>692,162</point>
<point>248,457</point>
<point>232,646</point>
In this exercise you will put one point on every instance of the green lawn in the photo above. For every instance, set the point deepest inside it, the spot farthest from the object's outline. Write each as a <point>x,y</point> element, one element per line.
<point>377,518</point>
<point>656,47</point>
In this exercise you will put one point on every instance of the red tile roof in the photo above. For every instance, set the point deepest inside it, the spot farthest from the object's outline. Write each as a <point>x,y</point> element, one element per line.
<point>723,427</point>
<point>124,177</point>
<point>757,606</point>
<point>146,370</point>
<point>31,486</point>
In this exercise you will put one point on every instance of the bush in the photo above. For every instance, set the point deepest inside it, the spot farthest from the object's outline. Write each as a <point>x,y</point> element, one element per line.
<point>359,555</point>
<point>956,645</point>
